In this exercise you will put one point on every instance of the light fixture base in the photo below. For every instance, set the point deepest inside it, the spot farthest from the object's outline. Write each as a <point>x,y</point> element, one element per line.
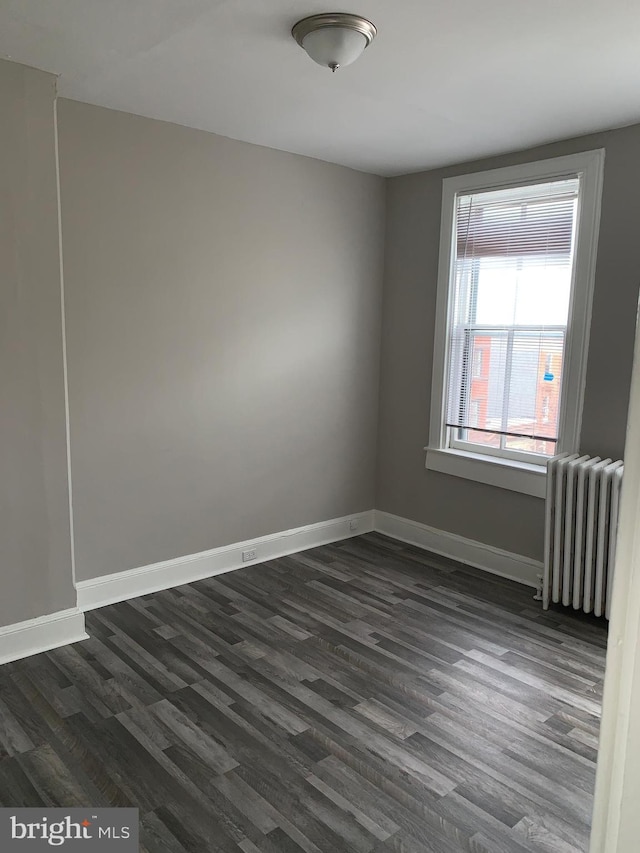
<point>334,19</point>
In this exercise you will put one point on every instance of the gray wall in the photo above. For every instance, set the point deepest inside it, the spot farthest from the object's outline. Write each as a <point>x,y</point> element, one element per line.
<point>488,514</point>
<point>223,329</point>
<point>35,545</point>
<point>223,306</point>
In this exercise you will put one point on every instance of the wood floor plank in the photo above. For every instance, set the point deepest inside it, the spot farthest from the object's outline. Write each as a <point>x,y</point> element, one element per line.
<point>361,697</point>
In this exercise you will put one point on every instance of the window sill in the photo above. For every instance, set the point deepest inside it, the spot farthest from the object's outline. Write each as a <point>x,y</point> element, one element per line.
<point>504,473</point>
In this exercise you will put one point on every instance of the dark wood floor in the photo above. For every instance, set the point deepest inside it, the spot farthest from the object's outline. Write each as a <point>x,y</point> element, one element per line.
<point>363,696</point>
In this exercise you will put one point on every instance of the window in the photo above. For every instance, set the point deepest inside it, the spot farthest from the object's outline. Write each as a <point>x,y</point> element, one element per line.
<point>514,296</point>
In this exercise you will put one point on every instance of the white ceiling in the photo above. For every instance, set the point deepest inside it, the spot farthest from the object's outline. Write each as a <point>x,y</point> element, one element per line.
<point>445,80</point>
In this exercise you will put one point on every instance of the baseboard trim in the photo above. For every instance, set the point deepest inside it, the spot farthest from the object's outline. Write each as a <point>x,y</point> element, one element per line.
<point>33,636</point>
<point>515,567</point>
<point>121,586</point>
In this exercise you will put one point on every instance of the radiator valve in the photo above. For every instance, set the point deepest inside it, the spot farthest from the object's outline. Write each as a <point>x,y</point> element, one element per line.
<point>538,595</point>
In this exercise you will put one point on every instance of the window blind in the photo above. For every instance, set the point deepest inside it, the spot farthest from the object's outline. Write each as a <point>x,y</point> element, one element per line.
<point>510,291</point>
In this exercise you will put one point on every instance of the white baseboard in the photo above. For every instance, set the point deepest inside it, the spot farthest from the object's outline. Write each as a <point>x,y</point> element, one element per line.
<point>33,636</point>
<point>120,586</point>
<point>494,560</point>
<point>67,626</point>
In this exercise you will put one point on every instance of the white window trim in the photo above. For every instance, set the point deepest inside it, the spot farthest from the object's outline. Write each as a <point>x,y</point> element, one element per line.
<point>486,468</point>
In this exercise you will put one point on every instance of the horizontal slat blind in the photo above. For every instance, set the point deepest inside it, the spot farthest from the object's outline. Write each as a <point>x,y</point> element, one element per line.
<point>511,286</point>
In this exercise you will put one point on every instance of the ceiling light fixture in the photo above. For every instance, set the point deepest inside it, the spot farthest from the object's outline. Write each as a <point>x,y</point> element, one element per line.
<point>334,39</point>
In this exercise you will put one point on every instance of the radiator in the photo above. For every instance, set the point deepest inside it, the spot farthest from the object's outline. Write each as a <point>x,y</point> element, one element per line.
<point>583,496</point>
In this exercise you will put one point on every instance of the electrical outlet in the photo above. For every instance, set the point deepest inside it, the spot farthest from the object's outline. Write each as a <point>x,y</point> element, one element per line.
<point>248,555</point>
<point>353,524</point>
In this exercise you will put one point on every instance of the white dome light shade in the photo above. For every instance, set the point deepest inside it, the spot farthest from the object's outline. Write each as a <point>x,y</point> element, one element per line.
<point>335,38</point>
<point>334,47</point>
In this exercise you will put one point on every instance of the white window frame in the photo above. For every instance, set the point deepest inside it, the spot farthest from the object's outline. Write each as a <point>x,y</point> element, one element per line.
<point>518,473</point>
